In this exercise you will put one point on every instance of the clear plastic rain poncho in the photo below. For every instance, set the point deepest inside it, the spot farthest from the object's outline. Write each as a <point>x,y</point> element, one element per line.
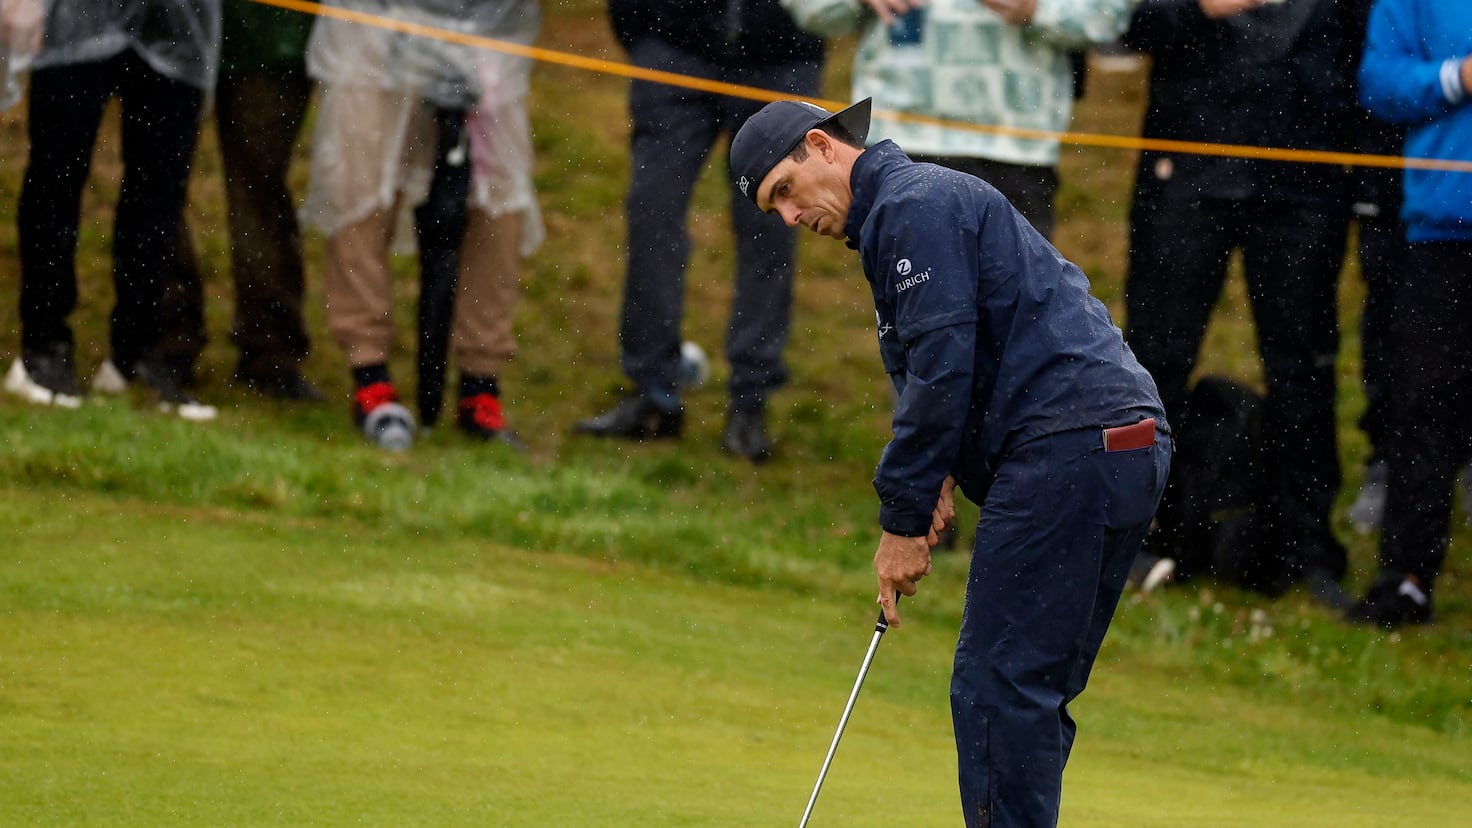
<point>422,72</point>
<point>180,39</point>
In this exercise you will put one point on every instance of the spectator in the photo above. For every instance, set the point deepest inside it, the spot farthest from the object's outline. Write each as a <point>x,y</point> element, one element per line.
<point>1417,72</point>
<point>753,43</point>
<point>392,109</point>
<point>261,99</point>
<point>1002,63</point>
<point>160,73</point>
<point>1264,74</point>
<point>1014,384</point>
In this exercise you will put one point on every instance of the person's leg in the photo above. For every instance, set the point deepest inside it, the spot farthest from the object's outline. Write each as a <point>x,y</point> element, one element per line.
<point>160,126</point>
<point>357,281</point>
<point>1431,436</point>
<point>485,303</point>
<point>766,251</point>
<point>483,338</point>
<point>673,130</point>
<point>65,111</point>
<point>1382,253</point>
<point>1179,249</point>
<point>1058,529</point>
<point>358,287</point>
<point>259,114</point>
<point>1292,262</point>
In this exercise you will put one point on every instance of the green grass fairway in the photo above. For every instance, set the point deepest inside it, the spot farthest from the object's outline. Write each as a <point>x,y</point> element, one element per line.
<point>172,666</point>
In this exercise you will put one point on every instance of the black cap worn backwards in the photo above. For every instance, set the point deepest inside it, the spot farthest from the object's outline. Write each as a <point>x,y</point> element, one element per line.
<point>767,137</point>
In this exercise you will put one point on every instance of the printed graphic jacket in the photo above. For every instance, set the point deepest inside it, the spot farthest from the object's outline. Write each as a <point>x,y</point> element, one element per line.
<point>990,336</point>
<point>967,64</point>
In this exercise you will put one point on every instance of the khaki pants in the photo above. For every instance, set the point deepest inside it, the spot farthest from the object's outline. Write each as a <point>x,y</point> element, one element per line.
<point>360,302</point>
<point>368,142</point>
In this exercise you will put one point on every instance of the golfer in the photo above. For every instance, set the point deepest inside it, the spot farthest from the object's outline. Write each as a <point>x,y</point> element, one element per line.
<point>1014,384</point>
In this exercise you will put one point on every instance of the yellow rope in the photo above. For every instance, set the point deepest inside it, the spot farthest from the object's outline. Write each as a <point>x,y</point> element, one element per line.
<point>608,67</point>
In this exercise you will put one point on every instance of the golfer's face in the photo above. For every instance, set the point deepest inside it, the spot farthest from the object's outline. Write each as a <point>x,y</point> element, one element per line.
<point>809,193</point>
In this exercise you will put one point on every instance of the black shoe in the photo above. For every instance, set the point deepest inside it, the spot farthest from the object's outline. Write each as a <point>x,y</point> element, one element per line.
<point>1391,603</point>
<point>746,436</point>
<point>636,418</point>
<point>1324,588</point>
<point>287,384</point>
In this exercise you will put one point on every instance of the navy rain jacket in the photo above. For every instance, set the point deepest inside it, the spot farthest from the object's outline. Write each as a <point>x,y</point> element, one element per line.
<point>991,337</point>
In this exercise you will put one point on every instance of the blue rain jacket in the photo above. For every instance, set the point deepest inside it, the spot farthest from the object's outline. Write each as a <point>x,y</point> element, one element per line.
<point>990,336</point>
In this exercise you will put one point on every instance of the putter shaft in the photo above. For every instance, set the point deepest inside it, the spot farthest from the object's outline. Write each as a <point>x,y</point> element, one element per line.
<point>853,696</point>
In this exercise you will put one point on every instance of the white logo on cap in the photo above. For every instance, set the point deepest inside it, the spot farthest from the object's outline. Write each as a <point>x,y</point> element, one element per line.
<point>743,183</point>
<point>903,266</point>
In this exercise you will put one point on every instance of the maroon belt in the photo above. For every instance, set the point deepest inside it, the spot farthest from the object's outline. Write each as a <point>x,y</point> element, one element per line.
<point>1126,438</point>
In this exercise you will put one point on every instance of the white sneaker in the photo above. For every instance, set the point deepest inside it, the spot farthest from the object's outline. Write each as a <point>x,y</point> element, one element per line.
<point>1368,508</point>
<point>18,381</point>
<point>172,398</point>
<point>109,380</point>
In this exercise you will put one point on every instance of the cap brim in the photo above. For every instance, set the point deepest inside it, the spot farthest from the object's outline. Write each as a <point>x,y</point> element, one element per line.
<point>854,119</point>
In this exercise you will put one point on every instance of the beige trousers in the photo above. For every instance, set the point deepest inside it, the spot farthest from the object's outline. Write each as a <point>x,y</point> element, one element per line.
<point>358,284</point>
<point>371,142</point>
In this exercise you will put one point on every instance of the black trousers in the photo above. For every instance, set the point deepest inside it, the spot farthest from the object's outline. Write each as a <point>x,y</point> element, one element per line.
<point>1382,254</point>
<point>1179,252</point>
<point>258,116</point>
<point>674,129</point>
<point>160,126</point>
<point>1431,437</point>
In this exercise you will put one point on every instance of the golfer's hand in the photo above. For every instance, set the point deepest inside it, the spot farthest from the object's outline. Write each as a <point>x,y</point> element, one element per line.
<point>944,516</point>
<point>888,10</point>
<point>899,563</point>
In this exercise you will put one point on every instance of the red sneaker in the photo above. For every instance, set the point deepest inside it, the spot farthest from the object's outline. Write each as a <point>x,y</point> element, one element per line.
<point>480,416</point>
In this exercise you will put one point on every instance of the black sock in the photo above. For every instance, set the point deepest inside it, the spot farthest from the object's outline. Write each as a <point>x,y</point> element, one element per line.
<point>472,385</point>
<point>370,374</point>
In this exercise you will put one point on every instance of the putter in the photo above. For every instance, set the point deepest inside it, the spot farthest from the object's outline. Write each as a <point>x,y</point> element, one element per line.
<point>879,629</point>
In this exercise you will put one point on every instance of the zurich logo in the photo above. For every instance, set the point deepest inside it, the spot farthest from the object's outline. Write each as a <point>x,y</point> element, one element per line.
<point>743,183</point>
<point>903,267</point>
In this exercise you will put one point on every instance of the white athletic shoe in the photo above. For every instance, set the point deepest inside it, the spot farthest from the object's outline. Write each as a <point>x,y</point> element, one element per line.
<point>19,382</point>
<point>109,380</point>
<point>172,397</point>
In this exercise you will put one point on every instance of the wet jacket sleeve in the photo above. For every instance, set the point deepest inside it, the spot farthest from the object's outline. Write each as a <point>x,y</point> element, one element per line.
<point>1399,83</point>
<point>927,282</point>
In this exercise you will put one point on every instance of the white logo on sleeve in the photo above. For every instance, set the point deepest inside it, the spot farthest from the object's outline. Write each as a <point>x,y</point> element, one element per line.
<point>883,327</point>
<point>908,279</point>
